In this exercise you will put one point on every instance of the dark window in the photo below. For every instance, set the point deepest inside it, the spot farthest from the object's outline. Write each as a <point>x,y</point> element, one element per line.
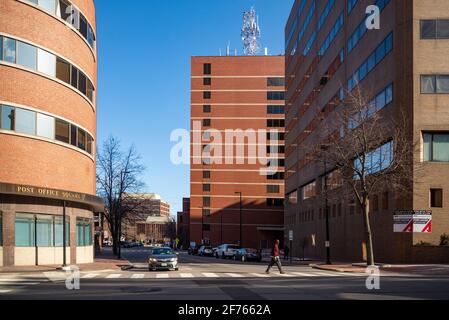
<point>63,70</point>
<point>442,29</point>
<point>73,132</point>
<point>206,227</point>
<point>275,149</point>
<point>275,95</point>
<point>276,176</point>
<point>65,10</point>
<point>275,123</point>
<point>90,90</point>
<point>435,84</point>
<point>273,189</point>
<point>81,139</point>
<point>206,212</point>
<point>7,114</point>
<point>206,202</point>
<point>62,132</point>
<point>207,95</point>
<point>275,202</point>
<point>276,136</point>
<point>207,81</point>
<point>436,198</point>
<point>206,174</point>
<point>207,68</point>
<point>89,144</point>
<point>74,77</point>
<point>276,82</point>
<point>206,187</point>
<point>207,109</point>
<point>385,201</point>
<point>435,29</point>
<point>82,83</point>
<point>206,123</point>
<point>83,26</point>
<point>275,109</point>
<point>1,48</point>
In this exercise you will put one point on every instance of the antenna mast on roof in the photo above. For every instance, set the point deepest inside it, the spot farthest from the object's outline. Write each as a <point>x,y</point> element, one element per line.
<point>250,33</point>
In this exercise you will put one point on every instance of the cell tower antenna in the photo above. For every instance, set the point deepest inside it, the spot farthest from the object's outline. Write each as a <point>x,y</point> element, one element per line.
<point>250,33</point>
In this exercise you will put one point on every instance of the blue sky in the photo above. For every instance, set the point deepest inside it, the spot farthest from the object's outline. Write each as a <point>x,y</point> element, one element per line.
<point>144,71</point>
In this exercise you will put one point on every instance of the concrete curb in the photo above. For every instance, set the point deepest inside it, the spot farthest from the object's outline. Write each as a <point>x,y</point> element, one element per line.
<point>319,267</point>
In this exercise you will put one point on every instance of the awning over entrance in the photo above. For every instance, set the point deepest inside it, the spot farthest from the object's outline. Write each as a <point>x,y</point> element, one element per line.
<point>95,202</point>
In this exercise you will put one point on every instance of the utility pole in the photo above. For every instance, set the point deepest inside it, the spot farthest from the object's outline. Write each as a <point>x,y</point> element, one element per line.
<point>241,218</point>
<point>326,203</point>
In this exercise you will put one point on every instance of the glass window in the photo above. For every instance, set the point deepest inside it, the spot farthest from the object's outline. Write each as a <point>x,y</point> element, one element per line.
<point>1,48</point>
<point>428,29</point>
<point>89,144</point>
<point>206,174</point>
<point>207,109</point>
<point>371,62</point>
<point>62,131</point>
<point>7,114</point>
<point>74,77</point>
<point>59,239</point>
<point>90,91</point>
<point>273,189</point>
<point>436,198</point>
<point>428,84</point>
<point>380,100</point>
<point>81,139</point>
<point>83,26</point>
<point>207,81</point>
<point>83,233</point>
<point>380,52</point>
<point>207,95</point>
<point>9,50</point>
<point>82,83</point>
<point>443,29</point>
<point>44,231</point>
<point>90,36</point>
<point>73,132</point>
<point>26,55</point>
<point>309,191</point>
<point>206,187</point>
<point>45,126</point>
<point>207,68</point>
<point>25,121</point>
<point>436,147</point>
<point>389,94</point>
<point>24,230</point>
<point>275,95</point>
<point>46,62</point>
<point>442,83</point>
<point>206,201</point>
<point>49,5</point>
<point>276,82</point>
<point>63,70</point>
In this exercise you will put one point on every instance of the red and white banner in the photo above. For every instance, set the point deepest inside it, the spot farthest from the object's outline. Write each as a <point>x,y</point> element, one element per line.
<point>413,221</point>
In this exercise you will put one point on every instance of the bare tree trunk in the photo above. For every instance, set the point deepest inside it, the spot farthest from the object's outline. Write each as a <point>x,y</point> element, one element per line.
<point>368,234</point>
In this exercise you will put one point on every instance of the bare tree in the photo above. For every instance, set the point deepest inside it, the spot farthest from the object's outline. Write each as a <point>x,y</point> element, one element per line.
<point>118,182</point>
<point>369,150</point>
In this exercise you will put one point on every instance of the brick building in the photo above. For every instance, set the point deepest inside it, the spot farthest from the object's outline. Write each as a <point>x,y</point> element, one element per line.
<point>232,198</point>
<point>183,224</point>
<point>329,51</point>
<point>48,84</point>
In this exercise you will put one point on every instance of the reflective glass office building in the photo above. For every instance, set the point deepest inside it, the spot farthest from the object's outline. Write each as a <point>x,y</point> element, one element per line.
<point>48,80</point>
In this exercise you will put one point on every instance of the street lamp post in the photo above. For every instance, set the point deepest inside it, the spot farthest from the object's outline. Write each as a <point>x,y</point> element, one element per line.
<point>241,218</point>
<point>326,203</point>
<point>221,228</point>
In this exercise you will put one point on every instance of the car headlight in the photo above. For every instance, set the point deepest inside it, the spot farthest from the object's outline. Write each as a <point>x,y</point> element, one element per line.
<point>153,260</point>
<point>173,260</point>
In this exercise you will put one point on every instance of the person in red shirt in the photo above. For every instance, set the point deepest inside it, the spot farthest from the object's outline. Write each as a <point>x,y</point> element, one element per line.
<point>275,258</point>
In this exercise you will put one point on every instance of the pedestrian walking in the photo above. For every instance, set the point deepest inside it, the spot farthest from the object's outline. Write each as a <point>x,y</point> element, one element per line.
<point>275,258</point>
<point>286,253</point>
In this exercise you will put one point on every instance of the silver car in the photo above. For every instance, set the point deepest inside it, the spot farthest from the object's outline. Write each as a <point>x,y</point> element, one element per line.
<point>163,259</point>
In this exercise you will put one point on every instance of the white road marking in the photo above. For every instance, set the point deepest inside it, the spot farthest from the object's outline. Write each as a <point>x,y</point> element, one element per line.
<point>114,276</point>
<point>302,274</point>
<point>234,275</point>
<point>19,283</point>
<point>210,275</point>
<point>138,276</point>
<point>186,275</point>
<point>260,275</point>
<point>162,276</point>
<point>90,276</point>
<point>323,274</point>
<point>5,291</point>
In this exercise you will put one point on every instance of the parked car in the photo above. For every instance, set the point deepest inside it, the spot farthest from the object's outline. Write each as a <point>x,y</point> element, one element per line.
<point>126,244</point>
<point>193,250</point>
<point>226,251</point>
<point>163,259</point>
<point>206,251</point>
<point>247,254</point>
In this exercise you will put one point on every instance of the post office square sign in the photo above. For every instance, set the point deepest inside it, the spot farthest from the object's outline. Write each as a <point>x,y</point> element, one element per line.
<point>412,221</point>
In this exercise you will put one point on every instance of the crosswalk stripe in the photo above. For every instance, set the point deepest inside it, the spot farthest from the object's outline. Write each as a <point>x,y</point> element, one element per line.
<point>186,275</point>
<point>259,275</point>
<point>234,275</point>
<point>138,276</point>
<point>302,274</point>
<point>5,291</point>
<point>287,275</point>
<point>114,276</point>
<point>210,275</point>
<point>14,284</point>
<point>90,276</point>
<point>324,274</point>
<point>162,276</point>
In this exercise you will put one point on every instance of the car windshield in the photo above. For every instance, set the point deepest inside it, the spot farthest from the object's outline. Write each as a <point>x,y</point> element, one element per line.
<point>162,251</point>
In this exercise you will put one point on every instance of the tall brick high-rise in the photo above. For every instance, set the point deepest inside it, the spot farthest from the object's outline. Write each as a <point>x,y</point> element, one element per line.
<point>243,93</point>
<point>48,81</point>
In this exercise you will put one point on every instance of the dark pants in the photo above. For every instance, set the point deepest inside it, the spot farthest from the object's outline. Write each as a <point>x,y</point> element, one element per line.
<point>275,261</point>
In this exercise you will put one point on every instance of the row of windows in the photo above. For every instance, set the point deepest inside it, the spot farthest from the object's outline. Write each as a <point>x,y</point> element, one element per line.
<point>275,95</point>
<point>383,98</point>
<point>37,124</point>
<point>384,48</point>
<point>207,69</point>
<point>277,136</point>
<point>361,29</point>
<point>275,123</point>
<point>376,161</point>
<point>270,188</point>
<point>47,231</point>
<point>36,59</point>
<point>327,9</point>
<point>435,29</point>
<point>309,44</point>
<point>275,109</point>
<point>276,82</point>
<point>272,202</point>
<point>295,24</point>
<point>351,5</point>
<point>70,14</point>
<point>435,83</point>
<point>275,149</point>
<point>304,27</point>
<point>436,147</point>
<point>332,34</point>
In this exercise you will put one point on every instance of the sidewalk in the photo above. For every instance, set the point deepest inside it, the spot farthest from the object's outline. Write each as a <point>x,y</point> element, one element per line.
<point>428,269</point>
<point>104,261</point>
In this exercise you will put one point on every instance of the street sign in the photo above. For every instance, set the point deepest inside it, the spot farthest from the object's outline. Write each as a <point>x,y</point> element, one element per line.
<point>290,235</point>
<point>413,221</point>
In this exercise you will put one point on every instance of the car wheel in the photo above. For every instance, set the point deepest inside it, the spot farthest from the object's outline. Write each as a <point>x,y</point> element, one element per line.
<point>216,256</point>
<point>223,256</point>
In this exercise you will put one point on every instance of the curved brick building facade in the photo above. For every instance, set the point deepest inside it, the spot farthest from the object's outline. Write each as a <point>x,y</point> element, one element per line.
<point>48,81</point>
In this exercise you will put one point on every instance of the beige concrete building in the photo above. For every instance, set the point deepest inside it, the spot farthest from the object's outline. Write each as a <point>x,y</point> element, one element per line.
<point>48,81</point>
<point>329,50</point>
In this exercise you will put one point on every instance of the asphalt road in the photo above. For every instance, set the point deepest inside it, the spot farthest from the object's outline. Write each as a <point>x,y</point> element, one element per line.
<point>211,279</point>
